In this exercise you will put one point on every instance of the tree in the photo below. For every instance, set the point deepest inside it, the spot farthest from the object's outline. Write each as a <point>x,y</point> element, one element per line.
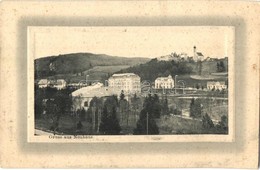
<point>141,126</point>
<point>152,109</point>
<point>111,102</point>
<point>63,101</point>
<point>122,95</point>
<point>82,114</point>
<point>221,66</point>
<point>109,123</point>
<point>195,108</point>
<point>104,121</point>
<point>153,106</point>
<point>94,112</point>
<point>38,103</point>
<point>135,105</point>
<point>123,108</point>
<point>165,108</point>
<point>207,123</point>
<point>54,113</point>
<point>223,124</point>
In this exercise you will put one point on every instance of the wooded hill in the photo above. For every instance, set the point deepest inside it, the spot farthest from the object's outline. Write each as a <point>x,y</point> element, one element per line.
<point>154,68</point>
<point>78,63</point>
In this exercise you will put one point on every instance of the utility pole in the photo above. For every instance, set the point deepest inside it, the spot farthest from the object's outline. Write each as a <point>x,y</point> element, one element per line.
<point>175,83</point>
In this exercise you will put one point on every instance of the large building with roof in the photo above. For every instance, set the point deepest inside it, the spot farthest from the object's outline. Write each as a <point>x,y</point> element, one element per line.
<point>164,82</point>
<point>130,83</point>
<point>83,96</point>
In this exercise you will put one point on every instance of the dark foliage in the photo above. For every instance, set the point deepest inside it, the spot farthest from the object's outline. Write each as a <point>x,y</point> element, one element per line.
<point>141,126</point>
<point>153,69</point>
<point>195,108</point>
<point>207,122</point>
<point>152,109</point>
<point>165,108</point>
<point>153,106</point>
<point>223,124</point>
<point>82,114</point>
<point>221,66</point>
<point>109,124</point>
<point>61,98</point>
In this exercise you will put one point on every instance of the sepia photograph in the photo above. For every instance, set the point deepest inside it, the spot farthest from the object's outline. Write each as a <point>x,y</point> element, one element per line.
<point>129,84</point>
<point>132,80</point>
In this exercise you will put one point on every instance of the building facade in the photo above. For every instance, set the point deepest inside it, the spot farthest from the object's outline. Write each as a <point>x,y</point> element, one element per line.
<point>58,84</point>
<point>43,83</point>
<point>130,83</point>
<point>216,85</point>
<point>164,82</point>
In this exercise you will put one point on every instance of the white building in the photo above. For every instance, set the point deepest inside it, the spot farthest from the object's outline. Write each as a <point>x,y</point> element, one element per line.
<point>82,97</point>
<point>43,83</point>
<point>198,56</point>
<point>130,83</point>
<point>60,84</point>
<point>164,82</point>
<point>216,85</point>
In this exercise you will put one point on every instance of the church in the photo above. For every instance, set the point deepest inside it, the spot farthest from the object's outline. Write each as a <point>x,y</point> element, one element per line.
<point>198,56</point>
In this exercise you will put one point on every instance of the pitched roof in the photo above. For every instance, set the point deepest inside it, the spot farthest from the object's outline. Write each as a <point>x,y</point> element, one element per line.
<point>84,90</point>
<point>124,75</point>
<point>199,54</point>
<point>97,92</point>
<point>164,78</point>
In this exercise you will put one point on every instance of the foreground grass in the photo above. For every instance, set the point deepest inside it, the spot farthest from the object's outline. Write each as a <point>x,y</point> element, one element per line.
<point>167,125</point>
<point>179,125</point>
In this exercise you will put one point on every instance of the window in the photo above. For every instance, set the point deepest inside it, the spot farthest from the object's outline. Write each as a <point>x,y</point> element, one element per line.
<point>86,104</point>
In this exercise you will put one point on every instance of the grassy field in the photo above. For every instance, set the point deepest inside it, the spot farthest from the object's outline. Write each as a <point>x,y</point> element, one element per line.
<point>67,125</point>
<point>178,125</point>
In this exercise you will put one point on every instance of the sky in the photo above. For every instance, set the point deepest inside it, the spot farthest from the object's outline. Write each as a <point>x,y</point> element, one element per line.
<point>140,41</point>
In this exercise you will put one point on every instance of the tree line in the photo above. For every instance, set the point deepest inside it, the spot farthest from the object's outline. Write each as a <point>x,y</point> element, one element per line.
<point>154,68</point>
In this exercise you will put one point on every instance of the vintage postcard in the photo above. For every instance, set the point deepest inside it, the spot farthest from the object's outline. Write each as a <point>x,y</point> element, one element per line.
<point>131,84</point>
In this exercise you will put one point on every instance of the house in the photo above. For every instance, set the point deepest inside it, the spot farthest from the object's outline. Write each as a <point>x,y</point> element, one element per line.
<point>164,82</point>
<point>130,83</point>
<point>43,83</point>
<point>60,84</point>
<point>216,85</point>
